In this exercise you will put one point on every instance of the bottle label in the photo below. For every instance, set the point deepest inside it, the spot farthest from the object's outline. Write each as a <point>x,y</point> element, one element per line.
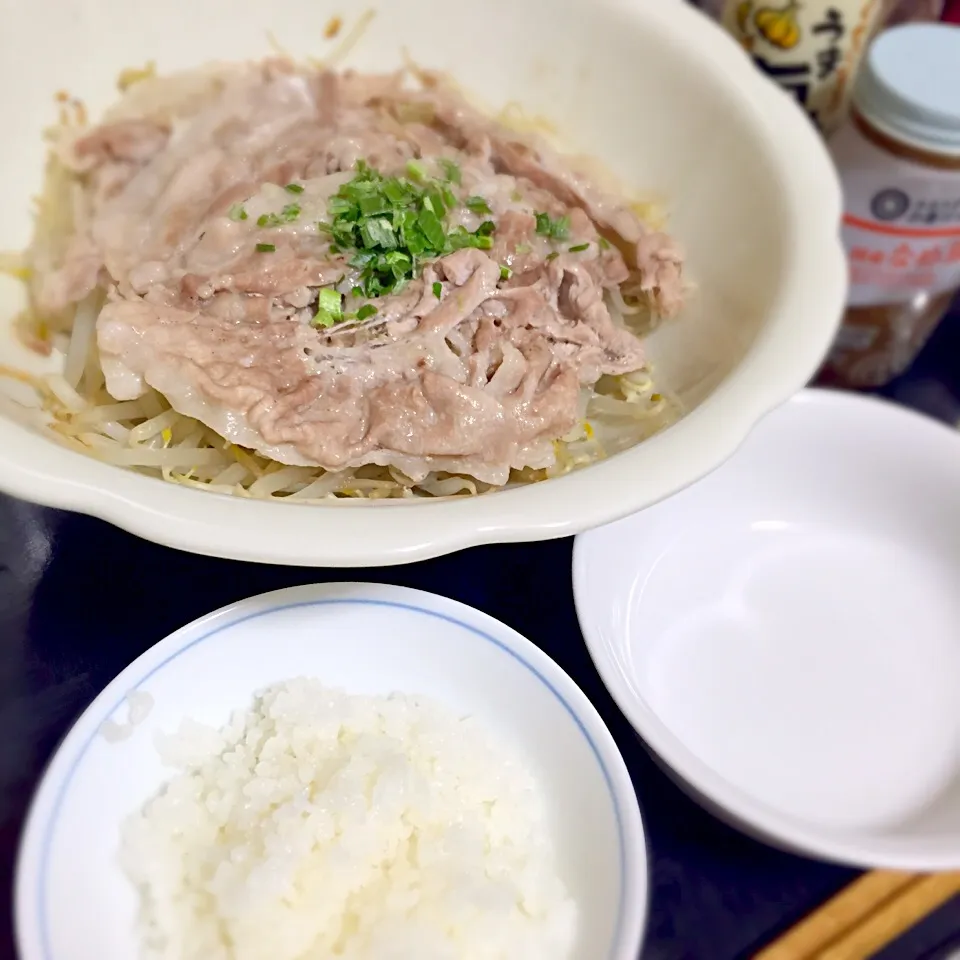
<point>811,49</point>
<point>901,224</point>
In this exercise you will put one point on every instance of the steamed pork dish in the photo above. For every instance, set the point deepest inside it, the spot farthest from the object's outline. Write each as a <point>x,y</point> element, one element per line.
<point>281,281</point>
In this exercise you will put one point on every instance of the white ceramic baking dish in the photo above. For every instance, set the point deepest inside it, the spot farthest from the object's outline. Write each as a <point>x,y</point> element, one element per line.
<point>653,89</point>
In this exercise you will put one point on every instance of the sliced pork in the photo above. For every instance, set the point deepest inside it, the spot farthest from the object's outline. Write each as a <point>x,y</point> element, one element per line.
<point>336,270</point>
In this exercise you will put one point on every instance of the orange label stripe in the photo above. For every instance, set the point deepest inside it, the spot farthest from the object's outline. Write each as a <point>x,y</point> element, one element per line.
<point>890,231</point>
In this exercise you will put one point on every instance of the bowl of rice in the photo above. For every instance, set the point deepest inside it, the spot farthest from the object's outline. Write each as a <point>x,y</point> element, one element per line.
<point>309,288</point>
<point>336,770</point>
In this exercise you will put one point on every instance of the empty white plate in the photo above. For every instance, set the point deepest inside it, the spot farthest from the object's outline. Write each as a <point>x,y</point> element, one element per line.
<point>74,903</point>
<point>785,635</point>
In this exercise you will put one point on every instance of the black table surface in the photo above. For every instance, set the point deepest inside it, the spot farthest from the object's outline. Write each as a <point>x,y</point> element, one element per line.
<point>79,600</point>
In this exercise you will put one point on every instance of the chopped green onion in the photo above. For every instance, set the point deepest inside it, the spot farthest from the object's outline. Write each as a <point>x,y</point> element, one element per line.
<point>377,232</point>
<point>366,311</point>
<point>604,243</point>
<point>357,291</point>
<point>362,259</point>
<point>505,273</point>
<point>460,238</point>
<point>580,247</point>
<point>477,205</point>
<point>237,212</point>
<point>451,169</point>
<point>397,262</point>
<point>433,201</point>
<point>390,225</point>
<point>329,308</point>
<point>416,171</point>
<point>554,229</point>
<point>339,206</point>
<point>374,205</point>
<point>395,191</point>
<point>431,227</point>
<point>364,171</point>
<point>293,188</point>
<point>437,289</point>
<point>523,248</point>
<point>265,248</point>
<point>552,256</point>
<point>287,215</point>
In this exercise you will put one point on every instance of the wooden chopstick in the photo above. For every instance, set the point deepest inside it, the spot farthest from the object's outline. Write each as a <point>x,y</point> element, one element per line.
<point>869,913</point>
<point>895,917</point>
<point>838,915</point>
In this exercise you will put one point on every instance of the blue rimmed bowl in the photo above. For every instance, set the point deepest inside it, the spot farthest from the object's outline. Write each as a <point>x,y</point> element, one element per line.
<point>73,901</point>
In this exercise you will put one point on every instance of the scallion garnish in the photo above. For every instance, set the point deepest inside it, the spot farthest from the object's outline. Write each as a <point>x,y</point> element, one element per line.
<point>237,212</point>
<point>431,226</point>
<point>477,205</point>
<point>293,188</point>
<point>437,289</point>
<point>416,171</point>
<point>265,248</point>
<point>580,247</point>
<point>391,225</point>
<point>451,169</point>
<point>604,243</point>
<point>377,232</point>
<point>329,308</point>
<point>551,256</point>
<point>287,215</point>
<point>366,311</point>
<point>554,229</point>
<point>505,273</point>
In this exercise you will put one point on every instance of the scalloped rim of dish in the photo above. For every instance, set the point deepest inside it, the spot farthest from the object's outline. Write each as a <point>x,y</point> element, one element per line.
<point>779,363</point>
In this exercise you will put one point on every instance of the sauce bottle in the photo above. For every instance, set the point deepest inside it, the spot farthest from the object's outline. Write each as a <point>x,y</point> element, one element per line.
<point>811,48</point>
<point>908,11</point>
<point>899,161</point>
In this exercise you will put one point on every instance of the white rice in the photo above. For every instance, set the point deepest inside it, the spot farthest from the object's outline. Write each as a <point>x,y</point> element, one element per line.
<point>139,705</point>
<point>322,824</point>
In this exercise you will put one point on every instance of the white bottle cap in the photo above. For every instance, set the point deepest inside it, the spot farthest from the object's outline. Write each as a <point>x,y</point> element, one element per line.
<point>909,86</point>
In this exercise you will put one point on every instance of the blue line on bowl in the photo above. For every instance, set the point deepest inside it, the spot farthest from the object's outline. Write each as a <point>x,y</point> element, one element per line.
<point>410,608</point>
